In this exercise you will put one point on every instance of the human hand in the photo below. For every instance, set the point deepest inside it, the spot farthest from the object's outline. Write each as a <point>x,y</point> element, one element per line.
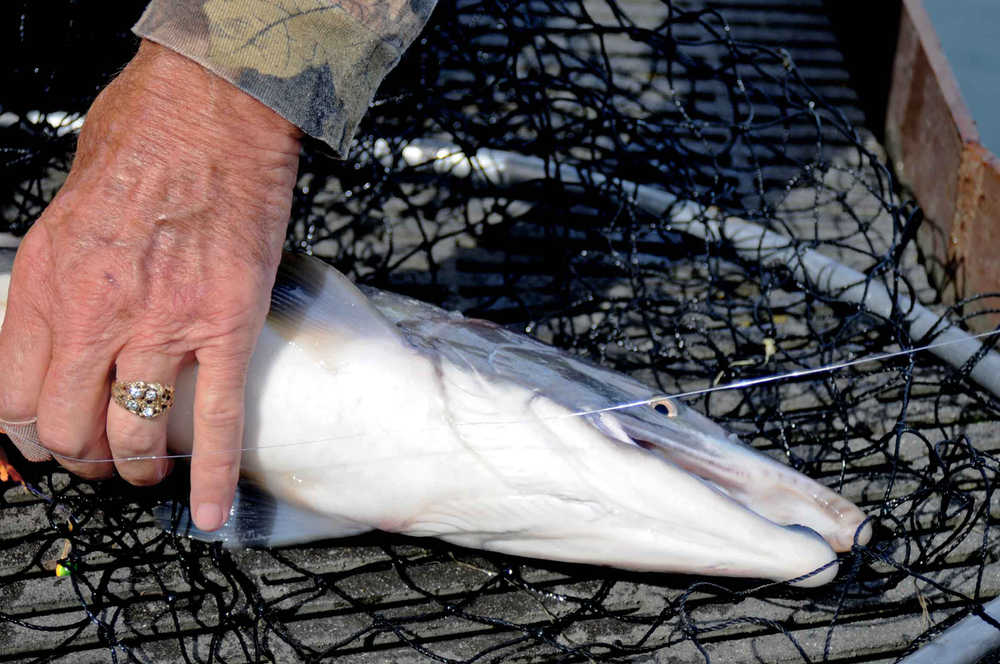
<point>160,249</point>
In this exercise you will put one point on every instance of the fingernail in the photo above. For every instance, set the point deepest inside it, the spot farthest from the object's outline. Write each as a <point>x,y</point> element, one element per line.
<point>164,469</point>
<point>208,516</point>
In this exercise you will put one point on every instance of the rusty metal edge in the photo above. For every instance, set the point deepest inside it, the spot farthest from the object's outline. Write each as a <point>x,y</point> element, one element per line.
<point>930,43</point>
<point>934,145</point>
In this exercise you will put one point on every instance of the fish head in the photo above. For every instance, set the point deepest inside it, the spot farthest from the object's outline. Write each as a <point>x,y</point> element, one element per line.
<point>598,470</point>
<point>682,436</point>
<point>579,488</point>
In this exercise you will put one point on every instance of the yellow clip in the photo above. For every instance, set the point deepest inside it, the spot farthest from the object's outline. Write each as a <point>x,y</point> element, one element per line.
<point>770,348</point>
<point>57,564</point>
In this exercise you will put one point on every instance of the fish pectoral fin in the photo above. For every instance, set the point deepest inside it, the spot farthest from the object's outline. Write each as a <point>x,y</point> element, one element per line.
<point>319,307</point>
<point>257,519</point>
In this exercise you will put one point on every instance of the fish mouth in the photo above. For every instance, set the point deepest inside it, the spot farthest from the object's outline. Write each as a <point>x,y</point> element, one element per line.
<point>692,442</point>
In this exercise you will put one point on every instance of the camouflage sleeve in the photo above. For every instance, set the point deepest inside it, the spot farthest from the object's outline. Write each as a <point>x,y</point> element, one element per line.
<point>316,62</point>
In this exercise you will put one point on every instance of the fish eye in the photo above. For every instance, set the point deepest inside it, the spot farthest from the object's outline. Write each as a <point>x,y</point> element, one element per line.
<point>665,407</point>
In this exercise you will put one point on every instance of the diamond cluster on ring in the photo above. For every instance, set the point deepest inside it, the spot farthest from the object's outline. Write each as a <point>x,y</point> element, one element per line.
<point>146,400</point>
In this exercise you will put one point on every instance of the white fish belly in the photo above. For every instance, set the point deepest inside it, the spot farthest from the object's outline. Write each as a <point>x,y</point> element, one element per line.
<point>389,440</point>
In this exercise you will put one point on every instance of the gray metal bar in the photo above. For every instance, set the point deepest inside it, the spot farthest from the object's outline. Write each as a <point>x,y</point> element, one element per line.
<point>965,642</point>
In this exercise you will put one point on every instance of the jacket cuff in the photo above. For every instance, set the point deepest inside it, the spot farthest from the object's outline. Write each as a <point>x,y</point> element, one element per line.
<point>317,63</point>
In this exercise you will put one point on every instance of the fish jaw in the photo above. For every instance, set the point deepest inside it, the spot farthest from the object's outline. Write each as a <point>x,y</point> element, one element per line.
<point>565,491</point>
<point>695,443</point>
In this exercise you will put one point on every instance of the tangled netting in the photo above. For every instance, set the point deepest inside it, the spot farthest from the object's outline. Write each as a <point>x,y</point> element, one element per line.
<point>744,110</point>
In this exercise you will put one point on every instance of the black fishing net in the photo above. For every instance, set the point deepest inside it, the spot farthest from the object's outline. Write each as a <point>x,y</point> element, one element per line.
<point>743,108</point>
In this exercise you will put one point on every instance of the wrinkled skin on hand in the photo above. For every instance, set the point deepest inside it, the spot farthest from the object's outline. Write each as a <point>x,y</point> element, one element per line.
<point>161,248</point>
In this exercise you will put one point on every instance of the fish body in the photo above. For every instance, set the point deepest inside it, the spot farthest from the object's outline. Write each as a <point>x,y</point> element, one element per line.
<point>370,410</point>
<point>375,411</point>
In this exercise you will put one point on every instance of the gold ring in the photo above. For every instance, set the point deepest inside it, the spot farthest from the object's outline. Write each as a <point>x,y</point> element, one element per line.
<point>142,399</point>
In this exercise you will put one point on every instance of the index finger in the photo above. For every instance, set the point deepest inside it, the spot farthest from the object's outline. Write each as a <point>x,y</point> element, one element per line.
<point>218,436</point>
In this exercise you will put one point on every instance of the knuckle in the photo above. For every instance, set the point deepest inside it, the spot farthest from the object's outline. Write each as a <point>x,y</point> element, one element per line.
<point>89,471</point>
<point>129,442</point>
<point>15,405</point>
<point>138,473</point>
<point>90,310</point>
<point>96,299</point>
<point>33,254</point>
<point>214,469</point>
<point>218,415</point>
<point>62,439</point>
